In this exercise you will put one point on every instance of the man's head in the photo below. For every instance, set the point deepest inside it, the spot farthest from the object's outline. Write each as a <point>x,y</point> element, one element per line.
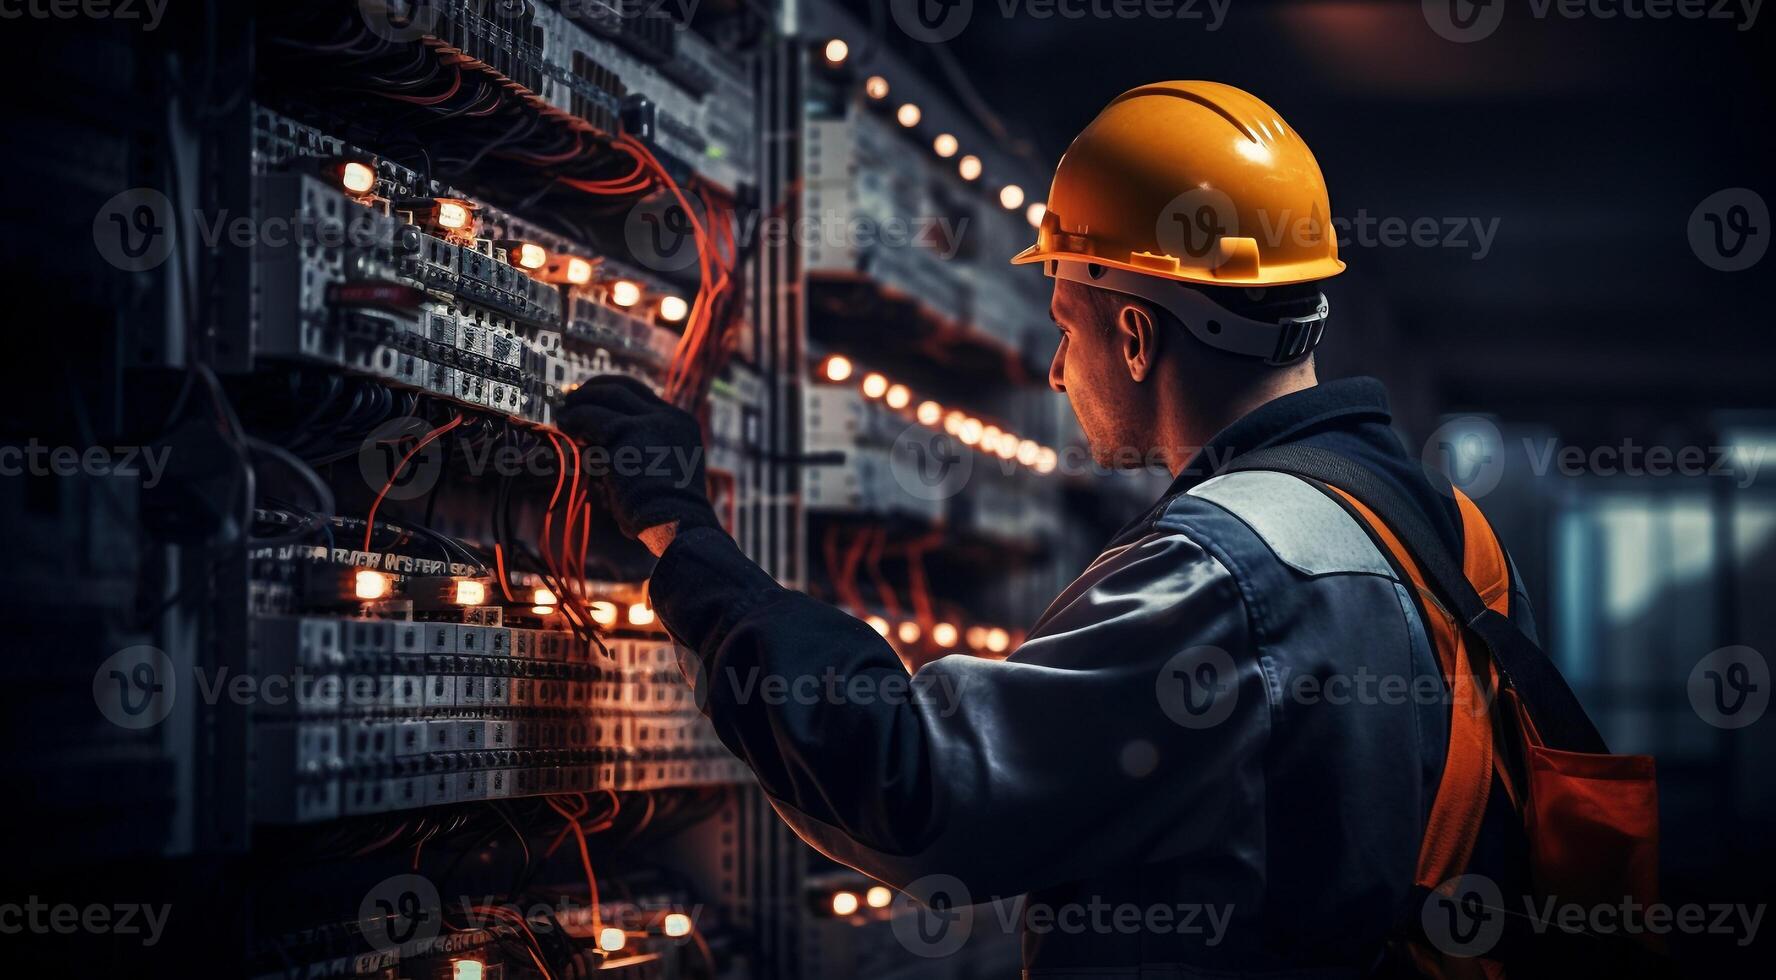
<point>1185,229</point>
<point>1144,388</point>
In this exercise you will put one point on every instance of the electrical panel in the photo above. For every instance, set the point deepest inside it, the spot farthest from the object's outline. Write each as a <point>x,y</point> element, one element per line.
<point>349,667</point>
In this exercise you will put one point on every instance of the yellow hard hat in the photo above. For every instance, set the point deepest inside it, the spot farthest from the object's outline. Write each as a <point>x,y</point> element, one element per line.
<point>1192,181</point>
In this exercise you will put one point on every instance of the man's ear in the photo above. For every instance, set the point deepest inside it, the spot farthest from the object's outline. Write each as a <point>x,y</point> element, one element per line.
<point>1140,340</point>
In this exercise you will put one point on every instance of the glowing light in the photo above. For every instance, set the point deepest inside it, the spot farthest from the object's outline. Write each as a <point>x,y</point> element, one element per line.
<point>543,597</point>
<point>603,613</point>
<point>611,939</point>
<point>837,51</point>
<point>998,640</point>
<point>578,271</point>
<point>874,385</point>
<point>844,903</point>
<point>625,293</point>
<point>1007,447</point>
<point>466,970</point>
<point>878,624</point>
<point>453,215</point>
<point>908,114</point>
<point>837,368</point>
<point>370,585</point>
<point>357,178</point>
<point>470,593</point>
<point>1046,460</point>
<point>876,87</point>
<point>640,614</point>
<point>970,432</point>
<point>944,634</point>
<point>1033,214</point>
<point>528,256</point>
<point>928,413</point>
<point>674,309</point>
<point>976,637</point>
<point>908,631</point>
<point>1027,452</point>
<point>898,396</point>
<point>954,422</point>
<point>989,439</point>
<point>1011,197</point>
<point>969,167</point>
<point>676,924</point>
<point>945,145</point>
<point>878,897</point>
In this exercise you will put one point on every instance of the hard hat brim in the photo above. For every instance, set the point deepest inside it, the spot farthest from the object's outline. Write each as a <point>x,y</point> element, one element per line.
<point>1272,276</point>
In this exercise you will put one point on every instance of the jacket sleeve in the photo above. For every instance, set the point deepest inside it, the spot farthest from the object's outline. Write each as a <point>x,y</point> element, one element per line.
<point>1129,727</point>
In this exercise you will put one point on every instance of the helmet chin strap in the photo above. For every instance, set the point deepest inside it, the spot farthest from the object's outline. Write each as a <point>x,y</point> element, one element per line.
<point>1281,341</point>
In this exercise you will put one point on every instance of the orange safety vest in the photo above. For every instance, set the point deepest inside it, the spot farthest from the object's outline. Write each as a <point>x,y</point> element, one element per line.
<point>1591,818</point>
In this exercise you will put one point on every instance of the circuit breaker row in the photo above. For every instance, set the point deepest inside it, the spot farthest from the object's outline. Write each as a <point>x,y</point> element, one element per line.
<point>366,716</point>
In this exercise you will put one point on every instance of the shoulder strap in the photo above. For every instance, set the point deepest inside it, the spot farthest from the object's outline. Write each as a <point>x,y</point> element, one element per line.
<point>1556,712</point>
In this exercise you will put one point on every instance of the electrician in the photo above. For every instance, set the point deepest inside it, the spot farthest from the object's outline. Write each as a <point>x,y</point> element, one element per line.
<point>1156,829</point>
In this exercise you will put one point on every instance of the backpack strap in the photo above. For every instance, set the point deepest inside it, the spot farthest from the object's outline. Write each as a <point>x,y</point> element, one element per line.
<point>1453,826</point>
<point>1520,665</point>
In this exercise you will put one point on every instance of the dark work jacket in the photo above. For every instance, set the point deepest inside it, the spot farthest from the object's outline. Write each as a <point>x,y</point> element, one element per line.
<point>1212,756</point>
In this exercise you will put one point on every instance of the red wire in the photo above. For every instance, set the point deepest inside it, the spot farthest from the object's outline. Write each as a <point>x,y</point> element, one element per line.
<point>455,87</point>
<point>370,521</point>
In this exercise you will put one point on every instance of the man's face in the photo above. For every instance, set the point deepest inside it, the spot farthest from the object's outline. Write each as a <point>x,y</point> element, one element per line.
<point>1090,367</point>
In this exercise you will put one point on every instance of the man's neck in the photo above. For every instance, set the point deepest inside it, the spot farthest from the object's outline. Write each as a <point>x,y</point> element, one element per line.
<point>1188,425</point>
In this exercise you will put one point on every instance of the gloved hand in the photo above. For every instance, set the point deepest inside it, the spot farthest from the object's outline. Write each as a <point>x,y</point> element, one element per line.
<point>653,472</point>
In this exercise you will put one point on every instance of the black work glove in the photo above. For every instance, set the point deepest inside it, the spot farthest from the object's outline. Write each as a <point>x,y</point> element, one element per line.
<point>652,472</point>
